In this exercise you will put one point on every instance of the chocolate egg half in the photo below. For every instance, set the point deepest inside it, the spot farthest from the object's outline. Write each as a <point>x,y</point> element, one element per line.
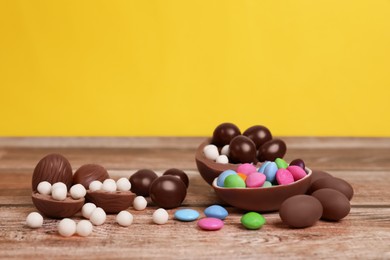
<point>89,173</point>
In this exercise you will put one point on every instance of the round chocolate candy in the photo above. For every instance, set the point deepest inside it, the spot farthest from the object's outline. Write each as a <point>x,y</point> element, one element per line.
<point>242,150</point>
<point>271,150</point>
<point>224,133</point>
<point>336,206</point>
<point>141,181</point>
<point>332,183</point>
<point>298,162</point>
<point>168,191</point>
<point>179,174</point>
<point>316,175</point>
<point>258,134</point>
<point>300,211</point>
<point>89,173</point>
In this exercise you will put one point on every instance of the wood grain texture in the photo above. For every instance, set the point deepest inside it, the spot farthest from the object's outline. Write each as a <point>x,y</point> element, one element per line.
<point>363,234</point>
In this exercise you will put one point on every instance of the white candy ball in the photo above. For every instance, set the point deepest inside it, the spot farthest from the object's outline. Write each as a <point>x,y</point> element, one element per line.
<point>98,217</point>
<point>95,185</point>
<point>124,218</point>
<point>87,209</point>
<point>59,193</point>
<point>78,191</point>
<point>139,203</point>
<point>84,228</point>
<point>160,216</point>
<point>123,184</point>
<point>223,159</point>
<point>109,185</point>
<point>59,184</point>
<point>44,188</point>
<point>225,150</point>
<point>67,227</point>
<point>211,152</point>
<point>34,220</point>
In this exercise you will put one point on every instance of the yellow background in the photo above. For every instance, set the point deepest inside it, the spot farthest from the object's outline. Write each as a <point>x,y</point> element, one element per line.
<point>182,67</point>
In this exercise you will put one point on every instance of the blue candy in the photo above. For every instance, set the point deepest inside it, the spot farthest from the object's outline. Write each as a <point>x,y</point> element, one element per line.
<point>262,167</point>
<point>216,211</point>
<point>222,177</point>
<point>186,215</point>
<point>270,172</point>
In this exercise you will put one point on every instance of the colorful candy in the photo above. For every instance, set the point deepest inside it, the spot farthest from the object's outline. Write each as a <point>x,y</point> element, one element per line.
<point>216,211</point>
<point>186,215</point>
<point>210,224</point>
<point>234,181</point>
<point>252,220</point>
<point>246,168</point>
<point>255,180</point>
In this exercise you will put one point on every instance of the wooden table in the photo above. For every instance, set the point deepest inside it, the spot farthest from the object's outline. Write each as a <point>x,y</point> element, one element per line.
<point>365,233</point>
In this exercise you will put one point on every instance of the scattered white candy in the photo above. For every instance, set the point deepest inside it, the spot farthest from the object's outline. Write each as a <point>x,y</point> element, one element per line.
<point>87,209</point>
<point>77,191</point>
<point>123,184</point>
<point>84,228</point>
<point>44,188</point>
<point>59,184</point>
<point>225,150</point>
<point>95,185</point>
<point>109,185</point>
<point>34,220</point>
<point>223,159</point>
<point>139,203</point>
<point>160,216</point>
<point>98,217</point>
<point>211,152</point>
<point>124,218</point>
<point>59,193</point>
<point>67,227</point>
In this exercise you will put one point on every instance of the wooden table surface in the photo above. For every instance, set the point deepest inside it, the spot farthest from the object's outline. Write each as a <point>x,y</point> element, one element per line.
<point>364,233</point>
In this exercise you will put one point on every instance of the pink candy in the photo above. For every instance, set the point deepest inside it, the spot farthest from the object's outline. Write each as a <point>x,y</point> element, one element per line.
<point>284,177</point>
<point>297,172</point>
<point>210,224</point>
<point>255,180</point>
<point>246,168</point>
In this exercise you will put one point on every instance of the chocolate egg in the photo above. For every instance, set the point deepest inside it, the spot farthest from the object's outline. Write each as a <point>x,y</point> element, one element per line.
<point>52,168</point>
<point>168,191</point>
<point>271,150</point>
<point>334,203</point>
<point>179,174</point>
<point>89,173</point>
<point>224,133</point>
<point>298,162</point>
<point>319,175</point>
<point>332,183</point>
<point>141,181</point>
<point>300,211</point>
<point>242,150</point>
<point>258,134</point>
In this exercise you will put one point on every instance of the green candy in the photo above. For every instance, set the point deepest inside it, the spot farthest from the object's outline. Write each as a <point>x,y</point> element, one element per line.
<point>234,181</point>
<point>282,164</point>
<point>252,220</point>
<point>267,184</point>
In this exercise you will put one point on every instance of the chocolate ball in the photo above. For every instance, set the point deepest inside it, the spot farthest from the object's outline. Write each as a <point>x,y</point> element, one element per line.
<point>89,173</point>
<point>316,175</point>
<point>224,133</point>
<point>336,206</point>
<point>242,150</point>
<point>298,162</point>
<point>52,168</point>
<point>332,183</point>
<point>168,191</point>
<point>141,181</point>
<point>179,174</point>
<point>271,150</point>
<point>258,134</point>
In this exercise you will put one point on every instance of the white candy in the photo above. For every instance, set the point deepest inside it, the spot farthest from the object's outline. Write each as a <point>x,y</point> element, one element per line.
<point>78,191</point>
<point>98,217</point>
<point>87,209</point>
<point>211,152</point>
<point>139,203</point>
<point>109,185</point>
<point>160,216</point>
<point>59,193</point>
<point>223,159</point>
<point>34,220</point>
<point>59,184</point>
<point>44,188</point>
<point>225,150</point>
<point>67,227</point>
<point>84,228</point>
<point>95,185</point>
<point>123,184</point>
<point>124,218</point>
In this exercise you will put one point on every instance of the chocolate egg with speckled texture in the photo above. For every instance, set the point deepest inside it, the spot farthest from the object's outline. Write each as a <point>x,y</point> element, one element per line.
<point>332,183</point>
<point>258,134</point>
<point>271,150</point>
<point>336,206</point>
<point>89,173</point>
<point>141,181</point>
<point>224,133</point>
<point>242,150</point>
<point>168,191</point>
<point>179,174</point>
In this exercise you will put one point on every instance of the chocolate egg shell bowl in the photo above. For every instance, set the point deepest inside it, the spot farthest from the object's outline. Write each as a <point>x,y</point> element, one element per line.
<point>111,202</point>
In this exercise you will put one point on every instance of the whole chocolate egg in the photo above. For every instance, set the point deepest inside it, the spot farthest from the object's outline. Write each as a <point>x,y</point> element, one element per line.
<point>89,173</point>
<point>168,191</point>
<point>316,175</point>
<point>300,211</point>
<point>336,206</point>
<point>179,174</point>
<point>52,168</point>
<point>332,183</point>
<point>224,133</point>
<point>141,181</point>
<point>271,150</point>
<point>298,162</point>
<point>242,150</point>
<point>258,134</point>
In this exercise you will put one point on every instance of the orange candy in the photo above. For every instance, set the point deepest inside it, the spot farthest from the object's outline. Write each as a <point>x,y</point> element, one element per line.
<point>243,176</point>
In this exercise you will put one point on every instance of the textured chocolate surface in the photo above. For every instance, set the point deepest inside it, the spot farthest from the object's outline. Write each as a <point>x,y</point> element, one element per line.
<point>54,208</point>
<point>298,162</point>
<point>111,202</point>
<point>52,168</point>
<point>88,173</point>
<point>224,133</point>
<point>319,175</point>
<point>258,134</point>
<point>168,191</point>
<point>141,181</point>
<point>332,183</point>
<point>269,151</point>
<point>336,206</point>
<point>179,174</point>
<point>242,150</point>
